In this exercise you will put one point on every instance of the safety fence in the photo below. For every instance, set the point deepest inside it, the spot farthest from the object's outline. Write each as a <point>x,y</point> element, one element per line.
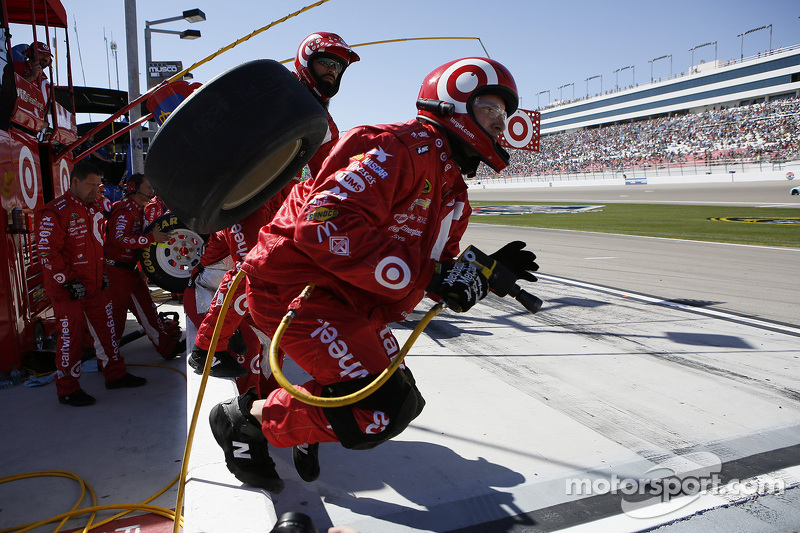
<point>646,170</point>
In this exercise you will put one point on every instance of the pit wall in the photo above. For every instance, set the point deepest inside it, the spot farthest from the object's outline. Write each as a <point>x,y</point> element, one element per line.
<point>740,173</point>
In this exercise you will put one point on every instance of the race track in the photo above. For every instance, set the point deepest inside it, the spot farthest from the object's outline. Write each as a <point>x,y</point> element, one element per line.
<point>650,358</point>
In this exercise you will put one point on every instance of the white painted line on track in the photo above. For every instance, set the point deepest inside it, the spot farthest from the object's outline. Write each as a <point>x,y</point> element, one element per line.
<point>595,258</point>
<point>792,330</point>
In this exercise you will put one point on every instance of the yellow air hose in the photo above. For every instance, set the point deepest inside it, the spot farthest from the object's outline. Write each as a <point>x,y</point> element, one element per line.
<point>274,354</point>
<point>340,401</point>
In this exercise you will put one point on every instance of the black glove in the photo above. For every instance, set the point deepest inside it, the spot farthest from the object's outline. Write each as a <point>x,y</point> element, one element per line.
<point>76,289</point>
<point>196,271</point>
<point>104,285</point>
<point>459,284</point>
<point>520,262</point>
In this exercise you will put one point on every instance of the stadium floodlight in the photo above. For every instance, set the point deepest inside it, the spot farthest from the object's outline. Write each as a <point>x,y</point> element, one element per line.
<point>741,51</point>
<point>593,78</point>
<point>566,85</point>
<point>190,15</point>
<point>656,59</point>
<point>542,92</point>
<point>692,49</point>
<point>633,78</point>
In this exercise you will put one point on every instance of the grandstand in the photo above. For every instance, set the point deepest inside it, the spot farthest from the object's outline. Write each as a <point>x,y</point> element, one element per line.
<point>707,86</point>
<point>737,112</point>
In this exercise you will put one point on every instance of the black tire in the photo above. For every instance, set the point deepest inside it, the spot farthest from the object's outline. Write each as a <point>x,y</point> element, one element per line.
<point>170,265</point>
<point>39,336</point>
<point>794,192</point>
<point>234,143</point>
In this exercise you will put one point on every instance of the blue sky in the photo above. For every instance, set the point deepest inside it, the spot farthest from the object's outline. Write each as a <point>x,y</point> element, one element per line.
<point>546,45</point>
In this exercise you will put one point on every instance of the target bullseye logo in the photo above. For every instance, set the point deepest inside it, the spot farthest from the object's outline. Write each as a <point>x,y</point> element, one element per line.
<point>521,129</point>
<point>63,174</point>
<point>307,50</point>
<point>393,273</point>
<point>461,78</point>
<point>240,305</point>
<point>27,177</point>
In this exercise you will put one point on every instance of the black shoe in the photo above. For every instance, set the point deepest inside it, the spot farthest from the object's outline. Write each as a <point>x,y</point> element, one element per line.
<point>236,343</point>
<point>224,364</point>
<point>127,381</point>
<point>197,359</point>
<point>246,450</point>
<point>306,461</point>
<point>79,398</point>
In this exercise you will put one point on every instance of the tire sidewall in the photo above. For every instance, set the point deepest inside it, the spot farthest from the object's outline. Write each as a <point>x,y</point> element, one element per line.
<point>152,258</point>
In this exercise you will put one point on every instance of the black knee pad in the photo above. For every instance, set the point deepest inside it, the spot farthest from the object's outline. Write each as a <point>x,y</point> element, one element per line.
<point>399,398</point>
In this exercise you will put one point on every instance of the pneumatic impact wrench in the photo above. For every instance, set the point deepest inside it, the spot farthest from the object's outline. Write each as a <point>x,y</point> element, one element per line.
<point>501,280</point>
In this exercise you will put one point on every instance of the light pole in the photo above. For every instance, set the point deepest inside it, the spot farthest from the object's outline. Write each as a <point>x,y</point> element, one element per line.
<point>591,78</point>
<point>132,47</point>
<point>542,92</point>
<point>741,50</point>
<point>656,59</point>
<point>633,79</point>
<point>566,85</point>
<point>692,49</point>
<point>192,15</point>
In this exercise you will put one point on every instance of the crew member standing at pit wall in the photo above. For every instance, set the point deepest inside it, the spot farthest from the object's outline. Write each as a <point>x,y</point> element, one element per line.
<point>377,229</point>
<point>69,237</point>
<point>320,62</point>
<point>124,238</point>
<point>37,58</point>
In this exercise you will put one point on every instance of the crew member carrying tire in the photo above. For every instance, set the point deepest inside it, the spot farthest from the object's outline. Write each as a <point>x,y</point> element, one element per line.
<point>377,229</point>
<point>320,62</point>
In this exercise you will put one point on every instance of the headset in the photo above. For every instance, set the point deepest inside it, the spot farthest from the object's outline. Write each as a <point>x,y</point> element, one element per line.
<point>132,183</point>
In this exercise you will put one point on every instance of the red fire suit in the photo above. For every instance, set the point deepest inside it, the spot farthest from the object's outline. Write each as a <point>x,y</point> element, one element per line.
<point>69,236</point>
<point>241,238</point>
<point>388,202</point>
<point>154,209</point>
<point>201,294</point>
<point>124,237</point>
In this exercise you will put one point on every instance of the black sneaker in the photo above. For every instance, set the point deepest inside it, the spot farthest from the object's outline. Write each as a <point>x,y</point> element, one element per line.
<point>197,359</point>
<point>236,343</point>
<point>127,381</point>
<point>306,461</point>
<point>224,364</point>
<point>246,450</point>
<point>79,398</point>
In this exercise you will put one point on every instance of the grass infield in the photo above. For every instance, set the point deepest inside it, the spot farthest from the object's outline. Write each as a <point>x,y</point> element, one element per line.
<point>668,221</point>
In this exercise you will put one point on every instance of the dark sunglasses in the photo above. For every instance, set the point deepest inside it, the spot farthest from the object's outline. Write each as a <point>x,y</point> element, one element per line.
<point>328,63</point>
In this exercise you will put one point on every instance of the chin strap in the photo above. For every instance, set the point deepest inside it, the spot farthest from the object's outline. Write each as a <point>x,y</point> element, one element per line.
<point>463,155</point>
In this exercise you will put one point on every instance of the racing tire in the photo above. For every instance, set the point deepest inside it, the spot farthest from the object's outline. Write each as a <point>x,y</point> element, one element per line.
<point>234,143</point>
<point>169,265</point>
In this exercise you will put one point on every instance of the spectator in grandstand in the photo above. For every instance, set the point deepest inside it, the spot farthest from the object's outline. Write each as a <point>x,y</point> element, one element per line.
<point>377,229</point>
<point>742,133</point>
<point>69,238</point>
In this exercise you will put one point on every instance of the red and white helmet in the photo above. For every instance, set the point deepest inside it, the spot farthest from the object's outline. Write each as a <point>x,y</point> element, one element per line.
<point>446,96</point>
<point>322,44</point>
<point>41,50</point>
